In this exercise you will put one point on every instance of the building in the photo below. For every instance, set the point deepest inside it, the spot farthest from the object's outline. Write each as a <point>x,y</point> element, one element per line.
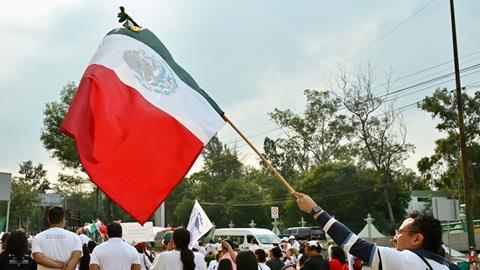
<point>422,199</point>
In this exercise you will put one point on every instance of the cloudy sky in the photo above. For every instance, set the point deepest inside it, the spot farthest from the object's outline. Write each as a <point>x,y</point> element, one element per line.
<point>250,56</point>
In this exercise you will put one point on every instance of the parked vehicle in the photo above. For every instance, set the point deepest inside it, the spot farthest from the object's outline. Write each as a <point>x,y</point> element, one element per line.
<point>243,237</point>
<point>305,233</point>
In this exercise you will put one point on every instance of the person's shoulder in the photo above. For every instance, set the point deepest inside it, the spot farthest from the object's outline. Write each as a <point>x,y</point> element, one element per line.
<point>198,254</point>
<point>166,255</point>
<point>71,234</point>
<point>128,247</point>
<point>100,247</point>
<point>41,234</point>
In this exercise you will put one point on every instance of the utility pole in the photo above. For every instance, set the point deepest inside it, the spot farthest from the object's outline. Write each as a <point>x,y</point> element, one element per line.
<point>467,179</point>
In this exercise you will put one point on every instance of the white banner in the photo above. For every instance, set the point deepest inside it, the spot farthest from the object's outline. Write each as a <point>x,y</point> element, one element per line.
<point>199,223</point>
<point>133,232</point>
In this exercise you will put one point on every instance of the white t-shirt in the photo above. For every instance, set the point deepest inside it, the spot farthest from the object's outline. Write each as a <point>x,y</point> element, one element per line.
<point>115,254</point>
<point>56,244</point>
<point>84,239</point>
<point>212,265</point>
<point>145,263</point>
<point>296,245</point>
<point>170,260</point>
<point>393,259</point>
<point>263,266</point>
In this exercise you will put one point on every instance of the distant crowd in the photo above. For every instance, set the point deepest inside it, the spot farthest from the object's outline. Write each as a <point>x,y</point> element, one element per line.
<point>416,245</point>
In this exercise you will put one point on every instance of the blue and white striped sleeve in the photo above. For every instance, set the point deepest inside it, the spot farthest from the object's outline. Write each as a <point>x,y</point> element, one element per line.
<point>348,241</point>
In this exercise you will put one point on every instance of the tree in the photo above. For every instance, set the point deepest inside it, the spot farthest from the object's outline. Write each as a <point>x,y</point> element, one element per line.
<point>381,135</point>
<point>320,136</point>
<point>24,195</point>
<point>442,169</point>
<point>60,146</point>
<point>356,189</point>
<point>34,176</point>
<point>67,184</point>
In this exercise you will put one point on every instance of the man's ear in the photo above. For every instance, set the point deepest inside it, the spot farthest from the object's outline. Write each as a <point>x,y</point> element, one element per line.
<point>418,240</point>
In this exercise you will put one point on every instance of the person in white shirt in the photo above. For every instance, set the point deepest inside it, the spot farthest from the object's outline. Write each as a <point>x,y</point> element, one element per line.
<point>198,246</point>
<point>292,256</point>
<point>417,241</point>
<point>56,248</point>
<point>293,242</point>
<point>213,264</point>
<point>261,258</point>
<point>145,263</point>
<point>114,254</point>
<point>181,258</point>
<point>211,247</point>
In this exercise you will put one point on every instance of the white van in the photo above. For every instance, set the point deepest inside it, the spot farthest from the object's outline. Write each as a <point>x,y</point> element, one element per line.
<point>243,237</point>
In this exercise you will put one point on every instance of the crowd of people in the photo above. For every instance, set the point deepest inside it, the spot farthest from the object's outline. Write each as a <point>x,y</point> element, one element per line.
<point>416,245</point>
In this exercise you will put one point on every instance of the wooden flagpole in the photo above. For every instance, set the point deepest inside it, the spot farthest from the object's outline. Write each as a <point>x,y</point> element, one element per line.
<point>265,161</point>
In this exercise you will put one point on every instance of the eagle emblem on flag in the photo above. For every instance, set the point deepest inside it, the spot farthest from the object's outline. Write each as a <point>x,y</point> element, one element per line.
<point>152,73</point>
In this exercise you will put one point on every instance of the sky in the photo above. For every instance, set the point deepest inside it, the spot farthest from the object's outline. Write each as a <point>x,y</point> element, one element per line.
<point>250,56</point>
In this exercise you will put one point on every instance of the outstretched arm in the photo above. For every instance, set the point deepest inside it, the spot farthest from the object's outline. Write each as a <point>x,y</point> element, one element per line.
<point>232,253</point>
<point>343,236</point>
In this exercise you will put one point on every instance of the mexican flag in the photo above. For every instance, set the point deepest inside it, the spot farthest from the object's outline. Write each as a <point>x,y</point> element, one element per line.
<point>139,121</point>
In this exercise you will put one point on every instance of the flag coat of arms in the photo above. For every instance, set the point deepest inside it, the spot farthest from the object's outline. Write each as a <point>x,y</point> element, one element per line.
<point>198,224</point>
<point>139,121</point>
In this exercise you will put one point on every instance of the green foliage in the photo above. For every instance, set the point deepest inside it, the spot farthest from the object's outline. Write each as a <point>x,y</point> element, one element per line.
<point>34,176</point>
<point>321,135</point>
<point>23,200</point>
<point>61,147</point>
<point>24,196</point>
<point>319,156</point>
<point>380,131</point>
<point>356,189</point>
<point>442,169</point>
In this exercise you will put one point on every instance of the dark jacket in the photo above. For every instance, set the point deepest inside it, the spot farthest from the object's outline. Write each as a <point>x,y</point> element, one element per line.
<point>315,263</point>
<point>275,264</point>
<point>12,262</point>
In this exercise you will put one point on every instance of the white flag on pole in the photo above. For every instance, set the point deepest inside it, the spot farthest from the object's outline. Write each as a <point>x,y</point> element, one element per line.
<point>199,223</point>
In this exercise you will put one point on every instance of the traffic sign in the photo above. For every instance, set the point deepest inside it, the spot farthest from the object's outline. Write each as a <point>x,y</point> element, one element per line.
<point>274,211</point>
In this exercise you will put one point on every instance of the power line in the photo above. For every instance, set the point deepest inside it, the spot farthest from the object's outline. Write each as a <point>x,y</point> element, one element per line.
<point>435,66</point>
<point>472,67</point>
<point>398,110</point>
<point>391,30</point>
<point>295,93</point>
<point>278,201</point>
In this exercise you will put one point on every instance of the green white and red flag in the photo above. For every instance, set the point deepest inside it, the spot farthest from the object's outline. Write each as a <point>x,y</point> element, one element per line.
<point>139,121</point>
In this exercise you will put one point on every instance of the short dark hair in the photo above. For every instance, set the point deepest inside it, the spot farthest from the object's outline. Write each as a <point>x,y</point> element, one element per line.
<point>246,260</point>
<point>261,255</point>
<point>17,243</point>
<point>430,228</point>
<point>114,229</point>
<point>225,264</point>
<point>276,252</point>
<point>56,215</point>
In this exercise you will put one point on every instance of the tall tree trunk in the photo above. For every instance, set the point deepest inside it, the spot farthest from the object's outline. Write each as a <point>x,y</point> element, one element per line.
<point>389,205</point>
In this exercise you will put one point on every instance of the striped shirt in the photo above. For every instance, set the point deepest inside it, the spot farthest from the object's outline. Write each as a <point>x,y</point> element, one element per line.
<point>380,257</point>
